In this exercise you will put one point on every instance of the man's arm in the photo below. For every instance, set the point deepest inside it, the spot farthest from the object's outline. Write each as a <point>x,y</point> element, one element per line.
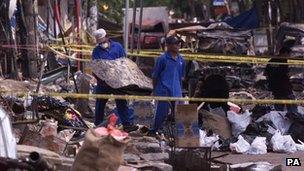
<point>154,81</point>
<point>122,52</point>
<point>158,68</point>
<point>94,54</point>
<point>94,57</point>
<point>183,73</point>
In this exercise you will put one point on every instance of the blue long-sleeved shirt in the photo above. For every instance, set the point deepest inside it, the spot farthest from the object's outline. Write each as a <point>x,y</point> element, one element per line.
<point>115,51</point>
<point>169,73</point>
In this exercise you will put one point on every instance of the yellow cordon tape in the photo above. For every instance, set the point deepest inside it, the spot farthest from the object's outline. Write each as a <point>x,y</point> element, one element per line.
<point>67,56</point>
<point>159,98</point>
<point>197,57</point>
<point>249,60</point>
<point>158,52</point>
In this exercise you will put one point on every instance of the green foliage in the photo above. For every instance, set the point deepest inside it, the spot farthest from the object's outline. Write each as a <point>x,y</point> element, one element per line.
<point>115,13</point>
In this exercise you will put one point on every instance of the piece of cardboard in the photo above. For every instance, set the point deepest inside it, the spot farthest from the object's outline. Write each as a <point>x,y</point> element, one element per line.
<point>217,124</point>
<point>187,134</point>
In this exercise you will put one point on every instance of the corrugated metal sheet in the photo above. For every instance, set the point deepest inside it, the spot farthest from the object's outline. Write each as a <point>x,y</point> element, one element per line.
<point>121,73</point>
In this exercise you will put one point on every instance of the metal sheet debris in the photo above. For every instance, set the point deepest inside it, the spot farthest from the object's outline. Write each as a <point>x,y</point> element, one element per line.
<point>121,73</point>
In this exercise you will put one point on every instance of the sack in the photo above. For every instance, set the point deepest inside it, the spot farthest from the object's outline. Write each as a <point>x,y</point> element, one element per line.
<point>278,119</point>
<point>217,124</point>
<point>258,146</point>
<point>99,153</point>
<point>241,146</point>
<point>282,143</point>
<point>206,141</point>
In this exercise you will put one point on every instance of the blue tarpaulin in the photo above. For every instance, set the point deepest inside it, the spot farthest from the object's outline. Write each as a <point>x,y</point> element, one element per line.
<point>246,20</point>
<point>218,3</point>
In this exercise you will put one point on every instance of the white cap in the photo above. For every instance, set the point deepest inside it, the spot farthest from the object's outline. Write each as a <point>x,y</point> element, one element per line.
<point>100,33</point>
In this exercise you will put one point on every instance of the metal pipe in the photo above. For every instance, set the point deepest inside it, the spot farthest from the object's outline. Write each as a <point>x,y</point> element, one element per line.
<point>54,19</point>
<point>270,27</point>
<point>278,15</point>
<point>133,25</point>
<point>126,31</point>
<point>140,25</point>
<point>35,12</point>
<point>39,163</point>
<point>78,25</point>
<point>48,19</point>
<point>32,121</point>
<point>139,31</point>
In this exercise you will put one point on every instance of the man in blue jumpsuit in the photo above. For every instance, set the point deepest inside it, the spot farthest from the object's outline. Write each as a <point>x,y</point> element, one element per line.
<point>167,79</point>
<point>109,50</point>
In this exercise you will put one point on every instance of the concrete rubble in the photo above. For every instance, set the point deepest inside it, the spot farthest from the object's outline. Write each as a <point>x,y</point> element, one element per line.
<point>146,152</point>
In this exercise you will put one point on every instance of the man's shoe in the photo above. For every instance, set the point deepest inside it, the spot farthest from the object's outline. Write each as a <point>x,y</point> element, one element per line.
<point>130,128</point>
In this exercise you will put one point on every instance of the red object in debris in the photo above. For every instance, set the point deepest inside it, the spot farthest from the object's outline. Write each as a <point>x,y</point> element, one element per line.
<point>111,129</point>
<point>234,107</point>
<point>102,131</point>
<point>112,119</point>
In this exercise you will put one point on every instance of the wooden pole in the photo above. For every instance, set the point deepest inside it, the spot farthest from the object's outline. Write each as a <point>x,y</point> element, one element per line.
<point>126,31</point>
<point>30,8</point>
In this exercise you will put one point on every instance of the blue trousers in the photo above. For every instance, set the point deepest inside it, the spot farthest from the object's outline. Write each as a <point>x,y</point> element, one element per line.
<point>122,105</point>
<point>162,111</point>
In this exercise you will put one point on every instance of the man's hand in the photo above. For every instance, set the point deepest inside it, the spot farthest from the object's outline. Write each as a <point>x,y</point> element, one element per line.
<point>153,93</point>
<point>93,81</point>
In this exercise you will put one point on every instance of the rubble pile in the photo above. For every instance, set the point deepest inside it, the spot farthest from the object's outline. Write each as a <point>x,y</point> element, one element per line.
<point>55,125</point>
<point>146,153</point>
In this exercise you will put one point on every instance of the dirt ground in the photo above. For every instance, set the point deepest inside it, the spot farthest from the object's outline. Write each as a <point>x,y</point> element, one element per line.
<point>273,158</point>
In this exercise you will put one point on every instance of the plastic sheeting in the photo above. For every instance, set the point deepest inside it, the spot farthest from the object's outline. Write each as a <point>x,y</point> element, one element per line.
<point>246,20</point>
<point>12,8</point>
<point>239,122</point>
<point>7,139</point>
<point>279,121</point>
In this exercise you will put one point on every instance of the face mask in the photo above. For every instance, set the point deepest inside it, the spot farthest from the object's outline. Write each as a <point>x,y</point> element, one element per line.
<point>104,45</point>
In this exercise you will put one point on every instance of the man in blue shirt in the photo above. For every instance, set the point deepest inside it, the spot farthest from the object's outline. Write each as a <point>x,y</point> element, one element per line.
<point>109,50</point>
<point>167,79</point>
